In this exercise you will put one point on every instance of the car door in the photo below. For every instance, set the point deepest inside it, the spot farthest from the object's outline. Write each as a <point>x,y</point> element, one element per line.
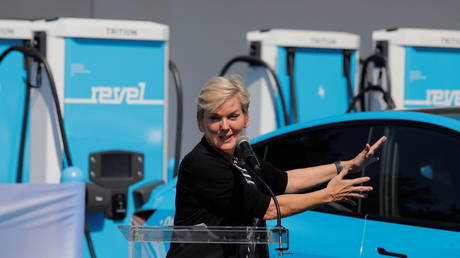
<point>418,214</point>
<point>332,230</point>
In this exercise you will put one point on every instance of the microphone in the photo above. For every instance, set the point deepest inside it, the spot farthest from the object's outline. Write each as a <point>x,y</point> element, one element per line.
<point>246,153</point>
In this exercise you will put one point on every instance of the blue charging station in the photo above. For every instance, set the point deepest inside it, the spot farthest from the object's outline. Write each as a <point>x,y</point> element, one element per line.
<point>12,98</point>
<point>423,64</point>
<point>111,81</point>
<point>317,71</point>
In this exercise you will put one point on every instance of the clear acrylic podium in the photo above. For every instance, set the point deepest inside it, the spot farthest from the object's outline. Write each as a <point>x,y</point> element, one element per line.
<point>142,239</point>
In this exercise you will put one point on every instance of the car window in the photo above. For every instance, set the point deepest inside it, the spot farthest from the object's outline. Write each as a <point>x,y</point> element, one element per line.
<point>425,174</point>
<point>323,146</point>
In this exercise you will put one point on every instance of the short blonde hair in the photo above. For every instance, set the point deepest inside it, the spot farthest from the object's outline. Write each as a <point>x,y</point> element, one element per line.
<point>217,90</point>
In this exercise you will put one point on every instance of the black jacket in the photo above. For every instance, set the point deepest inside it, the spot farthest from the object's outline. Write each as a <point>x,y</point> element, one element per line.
<point>212,191</point>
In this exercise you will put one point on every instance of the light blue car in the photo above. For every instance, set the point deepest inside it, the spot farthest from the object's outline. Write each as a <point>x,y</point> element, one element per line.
<point>414,210</point>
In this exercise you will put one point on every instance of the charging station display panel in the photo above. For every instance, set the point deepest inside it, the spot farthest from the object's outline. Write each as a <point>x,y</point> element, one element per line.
<point>114,99</point>
<point>116,166</point>
<point>12,99</point>
<point>321,85</point>
<point>432,77</point>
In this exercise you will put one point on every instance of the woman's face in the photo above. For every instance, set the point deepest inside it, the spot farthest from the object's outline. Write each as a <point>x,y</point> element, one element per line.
<point>223,126</point>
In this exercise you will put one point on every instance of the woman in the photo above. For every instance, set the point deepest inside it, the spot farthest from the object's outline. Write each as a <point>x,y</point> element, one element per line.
<point>214,190</point>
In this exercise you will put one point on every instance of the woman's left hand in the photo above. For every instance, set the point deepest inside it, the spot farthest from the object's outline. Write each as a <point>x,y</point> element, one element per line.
<point>365,157</point>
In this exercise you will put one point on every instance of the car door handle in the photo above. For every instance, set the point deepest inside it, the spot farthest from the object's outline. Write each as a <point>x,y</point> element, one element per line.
<point>385,252</point>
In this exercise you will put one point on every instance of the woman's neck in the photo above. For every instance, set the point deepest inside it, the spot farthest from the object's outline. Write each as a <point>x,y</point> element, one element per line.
<point>227,156</point>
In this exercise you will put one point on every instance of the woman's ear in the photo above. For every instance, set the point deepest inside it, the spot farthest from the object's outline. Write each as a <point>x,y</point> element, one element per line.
<point>246,119</point>
<point>199,121</point>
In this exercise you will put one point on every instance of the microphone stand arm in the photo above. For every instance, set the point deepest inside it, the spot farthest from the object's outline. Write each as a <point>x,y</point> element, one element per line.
<point>280,230</point>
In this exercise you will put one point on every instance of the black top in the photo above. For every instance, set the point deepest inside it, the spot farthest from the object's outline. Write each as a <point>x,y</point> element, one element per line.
<point>213,191</point>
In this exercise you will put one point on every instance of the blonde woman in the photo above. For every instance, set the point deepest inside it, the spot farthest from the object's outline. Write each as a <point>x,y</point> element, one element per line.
<point>214,190</point>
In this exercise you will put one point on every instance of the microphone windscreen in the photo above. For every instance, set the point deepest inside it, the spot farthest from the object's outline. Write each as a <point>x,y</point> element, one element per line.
<point>241,139</point>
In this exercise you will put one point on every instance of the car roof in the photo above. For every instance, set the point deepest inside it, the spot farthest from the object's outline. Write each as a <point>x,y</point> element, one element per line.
<point>439,120</point>
<point>451,112</point>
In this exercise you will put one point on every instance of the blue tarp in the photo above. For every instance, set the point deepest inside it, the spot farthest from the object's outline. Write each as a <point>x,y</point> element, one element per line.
<point>42,220</point>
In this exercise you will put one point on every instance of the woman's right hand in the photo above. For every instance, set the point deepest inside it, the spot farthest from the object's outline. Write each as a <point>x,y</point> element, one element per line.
<point>340,189</point>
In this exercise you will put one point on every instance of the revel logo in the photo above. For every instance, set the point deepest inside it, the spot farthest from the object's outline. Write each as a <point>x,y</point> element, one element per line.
<point>116,95</point>
<point>438,97</point>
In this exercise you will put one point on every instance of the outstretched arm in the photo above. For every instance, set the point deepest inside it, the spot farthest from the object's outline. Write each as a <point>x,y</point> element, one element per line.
<point>338,189</point>
<point>304,178</point>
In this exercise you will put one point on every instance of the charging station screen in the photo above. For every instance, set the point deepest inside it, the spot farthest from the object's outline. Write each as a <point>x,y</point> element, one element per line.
<point>432,77</point>
<point>321,86</point>
<point>116,165</point>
